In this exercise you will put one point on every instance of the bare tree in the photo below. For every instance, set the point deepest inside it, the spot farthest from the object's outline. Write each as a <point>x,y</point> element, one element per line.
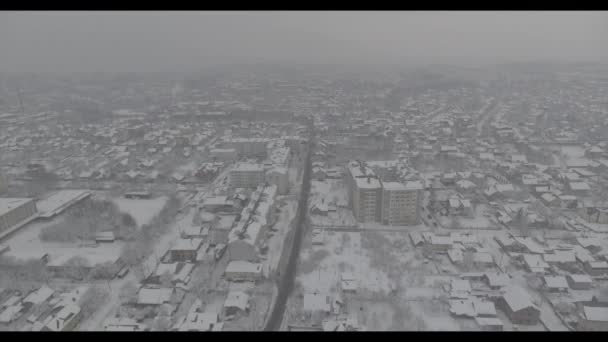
<point>128,293</point>
<point>92,299</point>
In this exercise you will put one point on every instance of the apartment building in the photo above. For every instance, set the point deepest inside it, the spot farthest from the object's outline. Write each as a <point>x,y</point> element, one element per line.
<point>246,175</point>
<point>400,203</point>
<point>365,193</point>
<point>14,211</point>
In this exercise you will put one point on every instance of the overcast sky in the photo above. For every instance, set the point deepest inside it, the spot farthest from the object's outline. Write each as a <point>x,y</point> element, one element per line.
<point>167,41</point>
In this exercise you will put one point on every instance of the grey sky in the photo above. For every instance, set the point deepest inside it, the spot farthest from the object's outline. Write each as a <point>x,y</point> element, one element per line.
<point>141,41</point>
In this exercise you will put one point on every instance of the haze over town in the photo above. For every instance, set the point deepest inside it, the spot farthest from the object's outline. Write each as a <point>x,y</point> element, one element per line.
<point>303,171</point>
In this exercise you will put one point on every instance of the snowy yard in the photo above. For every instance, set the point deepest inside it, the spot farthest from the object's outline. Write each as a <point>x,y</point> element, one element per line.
<point>282,226</point>
<point>26,244</point>
<point>480,220</point>
<point>330,190</point>
<point>322,266</point>
<point>142,210</point>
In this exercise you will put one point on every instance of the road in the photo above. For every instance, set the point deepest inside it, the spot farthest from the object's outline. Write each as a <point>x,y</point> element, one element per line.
<point>288,270</point>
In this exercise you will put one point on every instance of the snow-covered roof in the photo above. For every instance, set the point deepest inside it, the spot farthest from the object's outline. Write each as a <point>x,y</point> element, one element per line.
<point>187,244</point>
<point>240,266</point>
<point>8,204</point>
<point>556,282</point>
<point>149,296</point>
<point>237,299</point>
<point>517,298</point>
<point>316,302</point>
<point>39,296</point>
<point>598,314</point>
<point>579,186</point>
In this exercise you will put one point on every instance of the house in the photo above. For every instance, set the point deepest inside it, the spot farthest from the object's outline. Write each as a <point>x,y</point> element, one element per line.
<point>489,323</point>
<point>594,214</point>
<point>39,296</point>
<point>460,288</point>
<point>185,250</point>
<point>550,200</point>
<point>561,258</point>
<point>597,268</point>
<point>105,237</point>
<point>593,319</point>
<point>65,319</point>
<point>497,280</point>
<point>440,243</point>
<point>456,256</point>
<point>555,283</point>
<point>417,239</point>
<point>483,259</point>
<point>316,302</point>
<point>192,231</point>
<point>590,244</point>
<point>239,270</point>
<point>154,296</point>
<point>517,305</point>
<point>236,302</point>
<point>122,324</point>
<point>348,282</point>
<point>579,188</point>
<point>579,281</point>
<point>535,264</point>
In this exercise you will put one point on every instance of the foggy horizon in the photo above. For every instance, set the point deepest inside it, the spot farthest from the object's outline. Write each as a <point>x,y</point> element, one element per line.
<point>185,41</point>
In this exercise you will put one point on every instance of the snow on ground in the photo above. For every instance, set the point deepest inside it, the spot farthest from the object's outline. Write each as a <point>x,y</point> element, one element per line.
<point>142,210</point>
<point>342,217</point>
<point>331,190</point>
<point>437,319</point>
<point>26,244</point>
<point>341,252</point>
<point>283,224</point>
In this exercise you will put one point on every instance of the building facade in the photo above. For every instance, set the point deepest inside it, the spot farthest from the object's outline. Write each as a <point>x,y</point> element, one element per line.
<point>246,175</point>
<point>15,210</point>
<point>365,192</point>
<point>400,203</point>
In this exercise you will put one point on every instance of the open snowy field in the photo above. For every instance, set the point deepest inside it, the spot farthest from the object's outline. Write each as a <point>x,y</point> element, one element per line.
<point>322,266</point>
<point>142,210</point>
<point>26,244</point>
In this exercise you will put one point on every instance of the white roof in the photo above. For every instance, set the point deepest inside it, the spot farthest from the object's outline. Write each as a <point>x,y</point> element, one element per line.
<point>556,282</point>
<point>465,184</point>
<point>517,298</point>
<point>39,296</point>
<point>187,244</point>
<point>60,200</point>
<point>240,266</point>
<point>237,299</point>
<point>599,314</point>
<point>393,186</point>
<point>316,302</point>
<point>461,285</point>
<point>367,183</point>
<point>579,186</point>
<point>498,279</point>
<point>580,278</point>
<point>154,296</point>
<point>485,321</point>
